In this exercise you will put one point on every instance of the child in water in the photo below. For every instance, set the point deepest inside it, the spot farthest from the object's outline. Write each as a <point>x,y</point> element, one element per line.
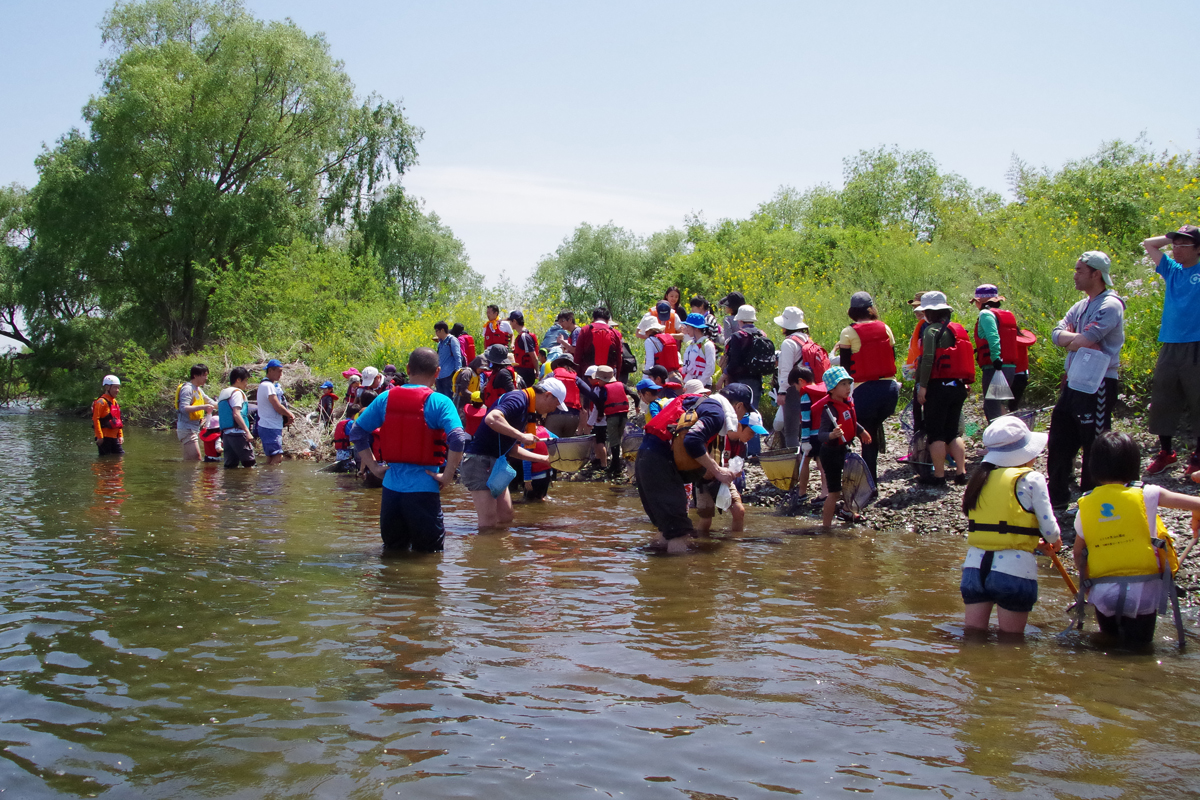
<point>342,449</point>
<point>1123,552</point>
<point>210,436</point>
<point>837,428</point>
<point>1010,515</point>
<point>537,474</point>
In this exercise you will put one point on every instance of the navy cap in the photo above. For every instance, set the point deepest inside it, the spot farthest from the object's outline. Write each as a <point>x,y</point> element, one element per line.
<point>663,311</point>
<point>739,393</point>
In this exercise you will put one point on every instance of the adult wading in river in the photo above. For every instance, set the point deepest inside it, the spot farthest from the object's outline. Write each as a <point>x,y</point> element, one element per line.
<point>507,430</point>
<point>190,406</point>
<point>675,452</point>
<point>106,419</point>
<point>418,432</point>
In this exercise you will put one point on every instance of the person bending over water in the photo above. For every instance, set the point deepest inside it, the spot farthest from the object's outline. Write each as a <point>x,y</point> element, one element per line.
<point>507,428</point>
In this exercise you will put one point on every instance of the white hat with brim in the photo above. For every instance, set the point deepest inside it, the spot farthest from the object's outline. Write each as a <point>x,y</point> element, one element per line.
<point>934,301</point>
<point>1010,443</point>
<point>791,319</point>
<point>695,386</point>
<point>746,314</point>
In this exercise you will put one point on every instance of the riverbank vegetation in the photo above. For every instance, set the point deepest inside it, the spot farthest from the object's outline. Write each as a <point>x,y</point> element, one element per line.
<point>230,196</point>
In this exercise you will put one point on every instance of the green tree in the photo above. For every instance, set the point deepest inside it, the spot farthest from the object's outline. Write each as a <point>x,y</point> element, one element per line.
<point>603,265</point>
<point>420,257</point>
<point>215,137</point>
<point>15,241</point>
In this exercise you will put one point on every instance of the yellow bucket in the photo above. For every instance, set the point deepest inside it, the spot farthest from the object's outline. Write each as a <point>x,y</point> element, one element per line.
<point>779,466</point>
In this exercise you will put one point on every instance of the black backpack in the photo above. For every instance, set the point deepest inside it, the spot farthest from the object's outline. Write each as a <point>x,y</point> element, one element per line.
<point>628,361</point>
<point>760,356</point>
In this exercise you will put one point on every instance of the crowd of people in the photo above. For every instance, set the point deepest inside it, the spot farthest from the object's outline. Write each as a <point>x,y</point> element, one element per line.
<point>490,416</point>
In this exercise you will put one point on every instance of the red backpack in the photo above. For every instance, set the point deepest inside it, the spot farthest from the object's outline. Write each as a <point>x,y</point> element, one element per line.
<point>813,356</point>
<point>606,344</point>
<point>467,343</point>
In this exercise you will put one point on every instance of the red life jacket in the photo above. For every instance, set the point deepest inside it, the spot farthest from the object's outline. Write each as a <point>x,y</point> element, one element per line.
<point>659,426</point>
<point>493,335</point>
<point>844,415</point>
<point>541,448</point>
<point>568,379</point>
<point>606,345</point>
<point>340,440</point>
<point>615,399</point>
<point>472,417</point>
<point>813,356</point>
<point>668,356</point>
<point>491,392</point>
<point>816,392</point>
<point>466,343</point>
<point>877,357</point>
<point>210,437</point>
<point>1006,321</point>
<point>955,363</point>
<point>112,419</point>
<point>405,437</point>
<point>526,358</point>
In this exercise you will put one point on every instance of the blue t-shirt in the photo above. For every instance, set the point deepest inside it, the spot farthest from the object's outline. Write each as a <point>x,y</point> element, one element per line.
<point>439,413</point>
<point>515,408</point>
<point>1180,322</point>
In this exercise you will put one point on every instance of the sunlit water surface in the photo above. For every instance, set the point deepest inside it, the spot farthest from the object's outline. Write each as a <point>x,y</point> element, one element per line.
<point>175,631</point>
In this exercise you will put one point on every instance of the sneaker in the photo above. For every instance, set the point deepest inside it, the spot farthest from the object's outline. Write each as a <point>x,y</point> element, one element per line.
<point>961,479</point>
<point>1161,462</point>
<point>1193,465</point>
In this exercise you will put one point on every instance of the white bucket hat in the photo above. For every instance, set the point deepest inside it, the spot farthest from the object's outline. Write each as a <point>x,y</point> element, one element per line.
<point>933,301</point>
<point>746,314</point>
<point>695,386</point>
<point>791,319</point>
<point>1010,444</point>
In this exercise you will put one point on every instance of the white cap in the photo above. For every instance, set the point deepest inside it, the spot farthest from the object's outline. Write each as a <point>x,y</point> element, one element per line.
<point>369,375</point>
<point>590,372</point>
<point>555,387</point>
<point>111,380</point>
<point>1010,443</point>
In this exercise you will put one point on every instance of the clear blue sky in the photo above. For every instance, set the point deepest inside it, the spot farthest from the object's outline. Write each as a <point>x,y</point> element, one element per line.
<point>540,116</point>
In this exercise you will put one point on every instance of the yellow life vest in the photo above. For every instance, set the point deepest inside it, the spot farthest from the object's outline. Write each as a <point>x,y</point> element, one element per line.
<point>998,522</point>
<point>198,414</point>
<point>1117,533</point>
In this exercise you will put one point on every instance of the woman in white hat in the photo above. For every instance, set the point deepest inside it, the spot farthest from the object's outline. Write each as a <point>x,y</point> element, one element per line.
<point>944,376</point>
<point>791,354</point>
<point>1009,510</point>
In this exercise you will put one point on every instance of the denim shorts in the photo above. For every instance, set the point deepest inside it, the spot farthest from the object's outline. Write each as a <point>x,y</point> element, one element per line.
<point>1007,591</point>
<point>272,440</point>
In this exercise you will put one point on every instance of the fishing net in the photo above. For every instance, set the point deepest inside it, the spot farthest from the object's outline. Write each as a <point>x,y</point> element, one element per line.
<point>858,487</point>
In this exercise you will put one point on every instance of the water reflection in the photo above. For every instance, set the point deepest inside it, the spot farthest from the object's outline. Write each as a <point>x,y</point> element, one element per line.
<point>168,630</point>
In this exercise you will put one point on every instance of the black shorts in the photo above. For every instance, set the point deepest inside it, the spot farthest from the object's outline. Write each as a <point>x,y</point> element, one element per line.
<point>661,489</point>
<point>600,431</point>
<point>540,486</point>
<point>411,520</point>
<point>943,407</point>
<point>833,459</point>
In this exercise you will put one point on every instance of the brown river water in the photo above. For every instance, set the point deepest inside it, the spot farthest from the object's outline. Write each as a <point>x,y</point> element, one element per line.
<point>177,631</point>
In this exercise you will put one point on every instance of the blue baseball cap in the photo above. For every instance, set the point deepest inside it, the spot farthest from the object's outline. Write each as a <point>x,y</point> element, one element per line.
<point>274,362</point>
<point>327,385</point>
<point>753,421</point>
<point>696,321</point>
<point>647,385</point>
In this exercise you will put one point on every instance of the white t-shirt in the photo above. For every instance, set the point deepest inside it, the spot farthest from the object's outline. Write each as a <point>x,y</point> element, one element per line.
<point>268,417</point>
<point>1140,598</point>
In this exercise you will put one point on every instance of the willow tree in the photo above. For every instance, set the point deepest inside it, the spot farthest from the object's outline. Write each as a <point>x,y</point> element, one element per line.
<point>215,137</point>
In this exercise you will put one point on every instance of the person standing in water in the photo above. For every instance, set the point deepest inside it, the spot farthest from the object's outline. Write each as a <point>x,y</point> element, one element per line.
<point>419,434</point>
<point>106,419</point>
<point>190,407</point>
<point>1008,508</point>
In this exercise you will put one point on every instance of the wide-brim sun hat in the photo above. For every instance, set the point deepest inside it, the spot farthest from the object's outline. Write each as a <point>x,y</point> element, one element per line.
<point>934,301</point>
<point>696,321</point>
<point>1010,443</point>
<point>695,386</point>
<point>791,319</point>
<point>605,374</point>
<point>496,354</point>
<point>746,314</point>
